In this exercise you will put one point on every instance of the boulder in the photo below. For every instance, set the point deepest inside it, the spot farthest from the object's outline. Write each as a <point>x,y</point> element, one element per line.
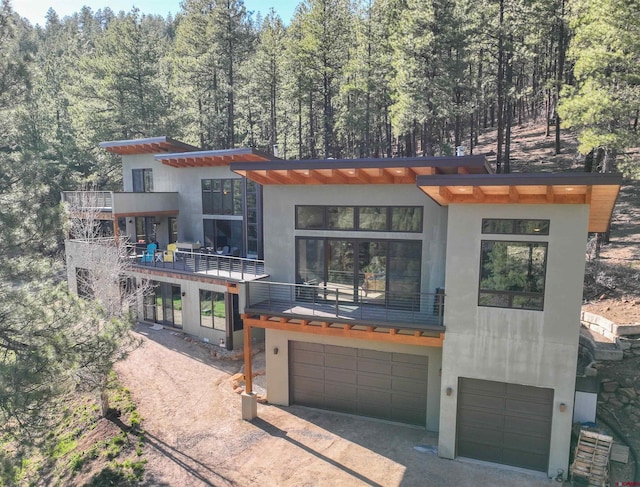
<point>628,392</point>
<point>609,385</point>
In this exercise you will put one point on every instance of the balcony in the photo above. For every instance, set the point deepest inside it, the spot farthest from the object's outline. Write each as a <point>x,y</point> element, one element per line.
<point>122,204</point>
<point>421,311</point>
<point>201,264</point>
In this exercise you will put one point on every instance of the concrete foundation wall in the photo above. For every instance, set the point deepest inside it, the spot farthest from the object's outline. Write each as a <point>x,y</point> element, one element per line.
<point>278,365</point>
<point>280,232</point>
<point>534,348</point>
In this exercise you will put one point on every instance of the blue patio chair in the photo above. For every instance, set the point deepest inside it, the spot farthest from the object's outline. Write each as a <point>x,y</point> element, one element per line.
<point>149,253</point>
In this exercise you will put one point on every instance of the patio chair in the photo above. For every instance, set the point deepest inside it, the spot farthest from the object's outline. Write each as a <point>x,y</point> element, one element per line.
<point>149,253</point>
<point>168,255</point>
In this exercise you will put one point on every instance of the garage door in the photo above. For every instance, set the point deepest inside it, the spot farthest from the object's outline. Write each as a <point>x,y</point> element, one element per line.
<point>352,380</point>
<point>504,423</point>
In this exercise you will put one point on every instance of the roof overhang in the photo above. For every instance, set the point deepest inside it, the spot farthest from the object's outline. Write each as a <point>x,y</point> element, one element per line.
<point>214,158</point>
<point>403,170</point>
<point>152,145</point>
<point>599,191</point>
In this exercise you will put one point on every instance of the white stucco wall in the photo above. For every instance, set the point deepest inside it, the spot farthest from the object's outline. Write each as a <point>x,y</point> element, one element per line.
<point>280,232</point>
<point>187,182</point>
<point>278,365</point>
<point>534,348</point>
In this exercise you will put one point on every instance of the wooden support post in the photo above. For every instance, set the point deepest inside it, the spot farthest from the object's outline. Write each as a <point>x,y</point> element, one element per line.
<point>248,380</point>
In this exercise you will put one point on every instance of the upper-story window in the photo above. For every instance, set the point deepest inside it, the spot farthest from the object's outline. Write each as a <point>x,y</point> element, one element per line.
<point>362,218</point>
<point>515,226</point>
<point>512,273</point>
<point>142,180</point>
<point>222,197</point>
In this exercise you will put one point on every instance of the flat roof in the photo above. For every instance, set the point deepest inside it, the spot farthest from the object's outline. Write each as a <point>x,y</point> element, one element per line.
<point>212,158</point>
<point>151,145</point>
<point>400,170</point>
<point>599,191</point>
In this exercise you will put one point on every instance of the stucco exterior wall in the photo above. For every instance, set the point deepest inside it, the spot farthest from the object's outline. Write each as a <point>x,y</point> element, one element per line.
<point>280,232</point>
<point>187,182</point>
<point>84,254</point>
<point>278,365</point>
<point>534,348</point>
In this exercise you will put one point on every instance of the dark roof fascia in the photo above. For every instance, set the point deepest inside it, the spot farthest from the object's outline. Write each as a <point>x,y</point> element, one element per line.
<point>521,179</point>
<point>149,140</point>
<point>368,163</point>
<point>215,153</point>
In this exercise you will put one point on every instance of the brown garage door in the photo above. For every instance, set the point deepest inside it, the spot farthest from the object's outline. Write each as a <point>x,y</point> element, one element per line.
<point>504,423</point>
<point>353,380</point>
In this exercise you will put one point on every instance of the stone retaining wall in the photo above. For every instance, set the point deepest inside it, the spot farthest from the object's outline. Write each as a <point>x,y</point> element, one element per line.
<point>626,336</point>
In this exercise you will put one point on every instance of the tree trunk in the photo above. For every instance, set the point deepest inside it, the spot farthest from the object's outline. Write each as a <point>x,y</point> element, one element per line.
<point>588,161</point>
<point>559,70</point>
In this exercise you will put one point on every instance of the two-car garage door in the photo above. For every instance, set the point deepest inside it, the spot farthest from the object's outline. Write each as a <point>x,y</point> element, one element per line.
<point>504,423</point>
<point>366,382</point>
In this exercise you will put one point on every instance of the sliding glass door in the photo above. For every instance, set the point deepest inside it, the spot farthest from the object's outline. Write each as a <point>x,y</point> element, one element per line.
<point>385,272</point>
<point>164,304</point>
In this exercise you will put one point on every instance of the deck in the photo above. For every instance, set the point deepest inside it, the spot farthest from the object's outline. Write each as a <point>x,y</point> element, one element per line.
<point>421,311</point>
<point>205,265</point>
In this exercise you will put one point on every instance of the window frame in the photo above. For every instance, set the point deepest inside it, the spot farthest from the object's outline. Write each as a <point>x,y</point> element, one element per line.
<point>356,218</point>
<point>142,176</point>
<point>513,294</point>
<point>514,223</point>
<point>227,202</point>
<point>212,302</point>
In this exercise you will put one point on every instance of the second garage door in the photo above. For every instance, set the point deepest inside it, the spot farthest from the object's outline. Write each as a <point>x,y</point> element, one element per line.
<point>367,382</point>
<point>504,423</point>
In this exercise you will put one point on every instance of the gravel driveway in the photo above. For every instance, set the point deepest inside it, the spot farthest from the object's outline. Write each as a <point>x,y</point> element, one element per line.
<point>195,437</point>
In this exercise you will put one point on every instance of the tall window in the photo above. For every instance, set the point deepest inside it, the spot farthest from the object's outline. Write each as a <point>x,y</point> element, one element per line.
<point>212,310</point>
<point>222,197</point>
<point>173,229</point>
<point>145,229</point>
<point>84,283</point>
<point>512,274</point>
<point>142,180</point>
<point>252,218</point>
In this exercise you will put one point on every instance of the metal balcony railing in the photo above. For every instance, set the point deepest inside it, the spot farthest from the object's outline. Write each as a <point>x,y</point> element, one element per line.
<point>89,200</point>
<point>345,304</point>
<point>214,265</point>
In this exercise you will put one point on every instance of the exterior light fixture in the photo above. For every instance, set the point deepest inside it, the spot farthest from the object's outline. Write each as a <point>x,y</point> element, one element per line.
<point>275,350</point>
<point>449,391</point>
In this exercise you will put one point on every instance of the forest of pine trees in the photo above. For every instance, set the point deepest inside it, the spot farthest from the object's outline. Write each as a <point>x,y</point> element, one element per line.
<point>366,78</point>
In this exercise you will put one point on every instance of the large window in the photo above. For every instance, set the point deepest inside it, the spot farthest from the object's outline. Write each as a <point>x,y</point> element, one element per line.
<point>212,310</point>
<point>222,197</point>
<point>142,180</point>
<point>512,274</point>
<point>372,271</point>
<point>364,218</point>
<point>219,234</point>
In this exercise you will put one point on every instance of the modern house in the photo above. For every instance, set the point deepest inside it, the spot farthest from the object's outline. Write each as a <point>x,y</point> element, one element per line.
<point>427,291</point>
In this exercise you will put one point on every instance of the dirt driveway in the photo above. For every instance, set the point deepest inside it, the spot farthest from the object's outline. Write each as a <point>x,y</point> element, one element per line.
<point>195,437</point>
